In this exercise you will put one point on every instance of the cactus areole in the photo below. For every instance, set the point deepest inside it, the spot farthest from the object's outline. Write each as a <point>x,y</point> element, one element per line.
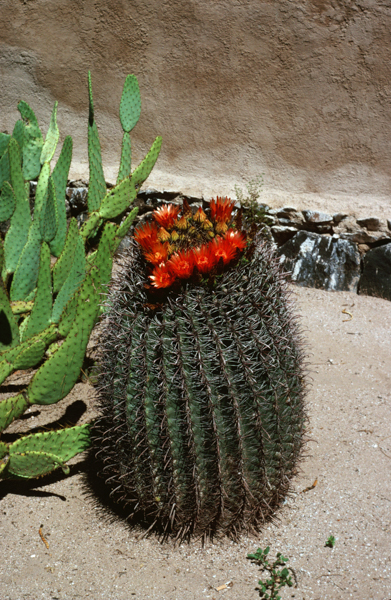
<point>201,385</point>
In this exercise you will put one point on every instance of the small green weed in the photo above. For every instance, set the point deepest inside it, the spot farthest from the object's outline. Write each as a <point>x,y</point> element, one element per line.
<point>254,214</point>
<point>330,542</point>
<point>278,577</point>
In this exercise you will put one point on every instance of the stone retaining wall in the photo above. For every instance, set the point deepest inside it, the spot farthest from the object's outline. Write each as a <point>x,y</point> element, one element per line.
<point>332,252</point>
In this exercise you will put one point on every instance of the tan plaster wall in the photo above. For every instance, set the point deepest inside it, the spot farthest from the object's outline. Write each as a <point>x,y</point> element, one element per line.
<point>299,90</point>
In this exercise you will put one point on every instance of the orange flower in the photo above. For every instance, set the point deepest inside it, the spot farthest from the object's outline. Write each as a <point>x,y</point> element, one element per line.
<point>223,249</point>
<point>204,258</point>
<point>162,277</point>
<point>146,235</point>
<point>182,264</point>
<point>236,239</point>
<point>157,253</point>
<point>166,215</point>
<point>221,209</point>
<point>200,216</point>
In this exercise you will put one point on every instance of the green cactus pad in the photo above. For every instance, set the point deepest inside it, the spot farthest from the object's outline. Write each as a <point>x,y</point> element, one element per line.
<point>118,199</point>
<point>9,331</point>
<point>65,261</point>
<point>33,142</point>
<point>26,273</point>
<point>49,219</point>
<point>21,307</point>
<point>5,369</point>
<point>130,105</point>
<point>31,355</point>
<point>17,233</point>
<point>37,454</point>
<point>18,134</point>
<point>52,137</point>
<point>90,227</point>
<point>103,257</point>
<point>68,316</point>
<point>40,453</point>
<point>41,192</point>
<point>140,174</point>
<point>97,185</point>
<point>75,277</point>
<point>11,409</point>
<point>126,158</point>
<point>57,376</point>
<point>7,202</point>
<point>124,227</point>
<point>4,141</point>
<point>4,168</point>
<point>39,318</point>
<point>60,177</point>
<point>28,465</point>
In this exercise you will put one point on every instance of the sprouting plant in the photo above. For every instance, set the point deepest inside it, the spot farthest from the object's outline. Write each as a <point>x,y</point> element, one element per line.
<point>254,214</point>
<point>330,542</point>
<point>278,577</point>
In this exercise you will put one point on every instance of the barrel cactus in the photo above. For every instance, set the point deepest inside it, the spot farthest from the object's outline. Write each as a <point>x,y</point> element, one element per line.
<point>202,383</point>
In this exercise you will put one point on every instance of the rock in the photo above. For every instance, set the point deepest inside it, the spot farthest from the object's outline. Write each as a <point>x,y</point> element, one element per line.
<point>338,217</point>
<point>376,276</point>
<point>78,183</point>
<point>290,216</point>
<point>347,225</point>
<point>321,261</point>
<point>77,198</point>
<point>317,218</point>
<point>389,224</point>
<point>363,248</point>
<point>364,237</point>
<point>282,234</point>
<point>371,223</point>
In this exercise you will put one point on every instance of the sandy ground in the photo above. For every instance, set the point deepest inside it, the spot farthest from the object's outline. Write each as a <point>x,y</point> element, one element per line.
<point>92,554</point>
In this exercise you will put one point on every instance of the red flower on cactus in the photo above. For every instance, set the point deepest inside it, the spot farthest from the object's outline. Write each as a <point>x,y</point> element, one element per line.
<point>221,209</point>
<point>236,239</point>
<point>222,248</point>
<point>156,254</point>
<point>182,263</point>
<point>146,235</point>
<point>204,258</point>
<point>166,215</point>
<point>162,276</point>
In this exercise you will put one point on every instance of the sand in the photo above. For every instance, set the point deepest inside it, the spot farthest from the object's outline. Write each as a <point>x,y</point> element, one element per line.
<point>89,553</point>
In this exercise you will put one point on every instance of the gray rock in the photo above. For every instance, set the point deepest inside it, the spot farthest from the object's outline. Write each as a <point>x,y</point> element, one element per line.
<point>376,276</point>
<point>389,224</point>
<point>364,237</point>
<point>319,218</point>
<point>286,211</point>
<point>348,225</point>
<point>282,234</point>
<point>289,215</point>
<point>321,261</point>
<point>77,198</point>
<point>338,217</point>
<point>371,223</point>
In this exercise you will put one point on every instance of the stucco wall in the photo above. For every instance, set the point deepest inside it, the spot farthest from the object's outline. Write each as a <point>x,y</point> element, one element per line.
<point>299,90</point>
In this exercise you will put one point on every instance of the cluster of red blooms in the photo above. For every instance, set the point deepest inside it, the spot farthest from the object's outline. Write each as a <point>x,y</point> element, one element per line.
<point>161,240</point>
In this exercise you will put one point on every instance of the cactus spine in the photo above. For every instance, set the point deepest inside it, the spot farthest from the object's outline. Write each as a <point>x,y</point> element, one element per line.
<point>57,307</point>
<point>202,389</point>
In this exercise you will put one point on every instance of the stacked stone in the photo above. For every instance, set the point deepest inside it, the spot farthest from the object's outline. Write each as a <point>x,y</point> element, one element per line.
<point>331,252</point>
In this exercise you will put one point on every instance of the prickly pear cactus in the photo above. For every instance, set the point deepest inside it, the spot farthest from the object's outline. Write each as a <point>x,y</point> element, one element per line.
<point>53,274</point>
<point>201,385</point>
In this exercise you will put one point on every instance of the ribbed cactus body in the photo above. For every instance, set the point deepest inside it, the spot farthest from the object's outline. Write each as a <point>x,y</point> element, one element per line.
<point>202,406</point>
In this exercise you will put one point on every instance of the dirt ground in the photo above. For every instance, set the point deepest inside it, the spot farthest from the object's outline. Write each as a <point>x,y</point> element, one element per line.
<point>89,553</point>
